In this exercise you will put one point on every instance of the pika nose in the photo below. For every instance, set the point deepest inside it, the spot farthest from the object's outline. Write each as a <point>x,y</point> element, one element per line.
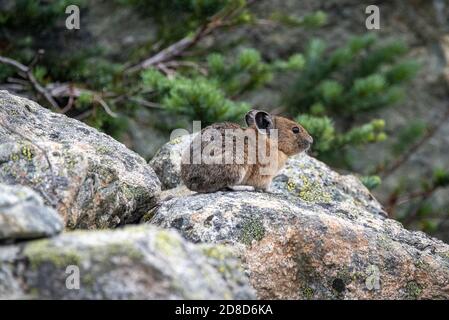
<point>309,139</point>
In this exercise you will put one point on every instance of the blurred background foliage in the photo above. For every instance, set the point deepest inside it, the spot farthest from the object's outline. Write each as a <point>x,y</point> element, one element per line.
<point>197,64</point>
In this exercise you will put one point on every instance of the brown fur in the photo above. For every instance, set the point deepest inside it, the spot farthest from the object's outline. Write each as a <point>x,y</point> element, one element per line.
<point>213,177</point>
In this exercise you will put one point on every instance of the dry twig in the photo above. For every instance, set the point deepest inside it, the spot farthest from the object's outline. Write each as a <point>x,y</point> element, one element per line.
<point>178,48</point>
<point>70,91</point>
<point>29,75</point>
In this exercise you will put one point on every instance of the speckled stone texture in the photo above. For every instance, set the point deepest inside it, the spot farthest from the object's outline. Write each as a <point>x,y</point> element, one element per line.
<point>23,215</point>
<point>92,180</point>
<point>317,235</point>
<point>140,262</point>
<point>167,161</point>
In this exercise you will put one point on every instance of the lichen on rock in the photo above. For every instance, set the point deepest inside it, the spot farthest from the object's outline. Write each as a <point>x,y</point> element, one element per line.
<point>316,235</point>
<point>252,230</point>
<point>92,180</point>
<point>141,262</point>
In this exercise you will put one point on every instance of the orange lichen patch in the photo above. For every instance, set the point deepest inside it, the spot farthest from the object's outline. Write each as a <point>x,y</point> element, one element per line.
<point>272,262</point>
<point>338,247</point>
<point>314,257</point>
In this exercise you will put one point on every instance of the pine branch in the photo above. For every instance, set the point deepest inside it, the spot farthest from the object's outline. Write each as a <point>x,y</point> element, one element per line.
<point>180,47</point>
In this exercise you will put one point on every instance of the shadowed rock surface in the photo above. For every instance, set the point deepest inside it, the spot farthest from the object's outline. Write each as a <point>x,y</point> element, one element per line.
<point>23,215</point>
<point>92,180</point>
<point>320,235</point>
<point>132,263</point>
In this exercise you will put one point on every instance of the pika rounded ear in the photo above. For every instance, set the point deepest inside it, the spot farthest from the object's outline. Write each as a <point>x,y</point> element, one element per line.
<point>263,121</point>
<point>249,117</point>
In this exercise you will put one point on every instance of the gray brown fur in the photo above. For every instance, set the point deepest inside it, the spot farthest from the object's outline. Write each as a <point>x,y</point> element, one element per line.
<point>213,177</point>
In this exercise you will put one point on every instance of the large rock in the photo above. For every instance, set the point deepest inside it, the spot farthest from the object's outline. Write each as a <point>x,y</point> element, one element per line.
<point>319,235</point>
<point>167,161</point>
<point>91,179</point>
<point>312,181</point>
<point>424,26</point>
<point>308,250</point>
<point>303,177</point>
<point>23,215</point>
<point>140,262</point>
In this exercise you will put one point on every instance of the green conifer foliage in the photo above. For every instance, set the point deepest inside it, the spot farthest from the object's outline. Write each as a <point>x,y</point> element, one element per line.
<point>362,76</point>
<point>335,93</point>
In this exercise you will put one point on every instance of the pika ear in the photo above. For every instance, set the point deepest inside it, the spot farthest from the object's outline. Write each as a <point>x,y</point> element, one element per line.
<point>249,117</point>
<point>264,121</point>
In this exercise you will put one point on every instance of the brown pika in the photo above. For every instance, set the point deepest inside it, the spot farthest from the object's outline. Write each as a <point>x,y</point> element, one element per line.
<point>224,155</point>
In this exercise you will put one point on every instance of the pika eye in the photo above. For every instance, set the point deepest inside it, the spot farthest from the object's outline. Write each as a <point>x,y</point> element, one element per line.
<point>295,130</point>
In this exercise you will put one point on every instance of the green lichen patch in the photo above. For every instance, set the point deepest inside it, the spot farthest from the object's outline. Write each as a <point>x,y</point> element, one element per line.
<point>253,229</point>
<point>217,252</point>
<point>220,255</point>
<point>71,159</point>
<point>27,152</point>
<point>346,275</point>
<point>291,185</point>
<point>167,243</point>
<point>385,242</point>
<point>122,249</point>
<point>307,292</point>
<point>313,191</point>
<point>149,215</point>
<point>14,157</point>
<point>103,150</point>
<point>372,281</point>
<point>23,151</point>
<point>106,173</point>
<point>42,251</point>
<point>444,255</point>
<point>175,140</point>
<point>413,290</point>
<point>421,264</point>
<point>133,192</point>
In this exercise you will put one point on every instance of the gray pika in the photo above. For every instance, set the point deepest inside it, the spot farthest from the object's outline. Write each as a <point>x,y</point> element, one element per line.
<point>221,164</point>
